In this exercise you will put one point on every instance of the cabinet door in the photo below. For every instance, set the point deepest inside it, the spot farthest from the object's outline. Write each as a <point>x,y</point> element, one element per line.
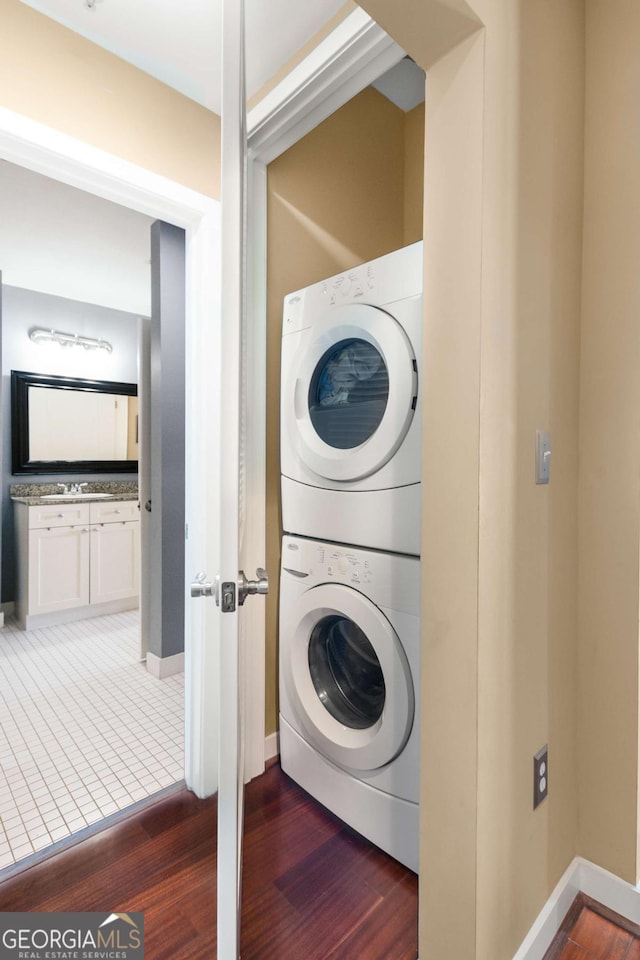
<point>58,569</point>
<point>115,561</point>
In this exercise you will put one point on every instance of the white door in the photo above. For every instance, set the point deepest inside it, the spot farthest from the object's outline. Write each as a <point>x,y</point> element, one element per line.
<point>230,795</point>
<point>231,588</point>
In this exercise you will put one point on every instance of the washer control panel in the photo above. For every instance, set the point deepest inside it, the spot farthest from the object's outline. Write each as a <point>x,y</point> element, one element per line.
<point>344,566</point>
<point>391,581</point>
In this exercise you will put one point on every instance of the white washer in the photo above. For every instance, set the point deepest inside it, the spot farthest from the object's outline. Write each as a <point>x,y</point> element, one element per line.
<point>349,680</point>
<point>350,417</point>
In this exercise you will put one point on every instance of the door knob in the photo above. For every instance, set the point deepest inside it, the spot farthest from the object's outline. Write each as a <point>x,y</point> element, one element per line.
<point>201,587</point>
<point>248,588</point>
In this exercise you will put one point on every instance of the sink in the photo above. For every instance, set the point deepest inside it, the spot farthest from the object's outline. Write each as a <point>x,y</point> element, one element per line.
<point>76,496</point>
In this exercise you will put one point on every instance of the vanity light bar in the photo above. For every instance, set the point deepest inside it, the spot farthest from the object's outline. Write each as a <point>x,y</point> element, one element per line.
<point>40,335</point>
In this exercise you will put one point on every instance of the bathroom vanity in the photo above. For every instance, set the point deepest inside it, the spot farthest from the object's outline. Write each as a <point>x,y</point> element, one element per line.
<point>76,557</point>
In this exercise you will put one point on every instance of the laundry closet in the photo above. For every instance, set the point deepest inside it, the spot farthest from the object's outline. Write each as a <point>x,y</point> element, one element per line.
<point>340,201</point>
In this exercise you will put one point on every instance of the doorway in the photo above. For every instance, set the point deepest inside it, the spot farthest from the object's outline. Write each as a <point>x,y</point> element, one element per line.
<point>32,146</point>
<point>88,730</point>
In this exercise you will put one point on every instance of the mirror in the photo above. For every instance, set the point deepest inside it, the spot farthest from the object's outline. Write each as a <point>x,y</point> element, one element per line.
<point>69,425</point>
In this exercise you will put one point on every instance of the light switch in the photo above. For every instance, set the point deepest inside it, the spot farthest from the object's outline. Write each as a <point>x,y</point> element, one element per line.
<point>543,456</point>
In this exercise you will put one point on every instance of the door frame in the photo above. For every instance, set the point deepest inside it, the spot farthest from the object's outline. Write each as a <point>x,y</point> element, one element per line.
<point>51,153</point>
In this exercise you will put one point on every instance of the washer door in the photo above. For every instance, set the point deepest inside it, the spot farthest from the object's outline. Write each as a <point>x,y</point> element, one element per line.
<point>353,392</point>
<point>348,678</point>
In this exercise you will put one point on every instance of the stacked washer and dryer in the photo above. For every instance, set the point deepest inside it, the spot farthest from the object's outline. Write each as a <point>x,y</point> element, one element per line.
<point>350,576</point>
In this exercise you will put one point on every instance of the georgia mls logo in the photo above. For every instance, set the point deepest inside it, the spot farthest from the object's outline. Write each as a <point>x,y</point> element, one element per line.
<point>71,936</point>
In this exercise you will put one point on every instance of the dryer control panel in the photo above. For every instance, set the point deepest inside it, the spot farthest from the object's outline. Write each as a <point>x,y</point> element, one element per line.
<point>395,276</point>
<point>346,287</point>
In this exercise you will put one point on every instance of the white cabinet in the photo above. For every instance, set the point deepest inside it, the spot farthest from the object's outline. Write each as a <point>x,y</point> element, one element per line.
<point>76,560</point>
<point>115,552</point>
<point>58,572</point>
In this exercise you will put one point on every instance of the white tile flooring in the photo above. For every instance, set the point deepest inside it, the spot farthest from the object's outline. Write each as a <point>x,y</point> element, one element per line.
<point>85,731</point>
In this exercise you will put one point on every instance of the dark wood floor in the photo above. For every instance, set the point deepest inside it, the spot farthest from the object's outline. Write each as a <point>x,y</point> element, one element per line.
<point>592,932</point>
<point>312,889</point>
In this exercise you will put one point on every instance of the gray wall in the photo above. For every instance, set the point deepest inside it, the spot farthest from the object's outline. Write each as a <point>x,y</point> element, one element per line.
<point>22,310</point>
<point>165,523</point>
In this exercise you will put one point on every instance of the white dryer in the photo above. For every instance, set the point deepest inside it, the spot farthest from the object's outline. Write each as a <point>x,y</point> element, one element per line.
<point>350,417</point>
<point>349,680</point>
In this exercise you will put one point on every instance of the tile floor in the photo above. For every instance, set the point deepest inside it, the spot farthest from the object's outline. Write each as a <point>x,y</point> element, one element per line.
<point>85,731</point>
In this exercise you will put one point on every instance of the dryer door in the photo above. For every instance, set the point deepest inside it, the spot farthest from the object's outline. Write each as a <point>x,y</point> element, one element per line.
<point>348,678</point>
<point>353,393</point>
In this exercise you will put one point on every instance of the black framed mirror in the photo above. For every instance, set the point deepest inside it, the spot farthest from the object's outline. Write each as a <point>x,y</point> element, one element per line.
<point>71,425</point>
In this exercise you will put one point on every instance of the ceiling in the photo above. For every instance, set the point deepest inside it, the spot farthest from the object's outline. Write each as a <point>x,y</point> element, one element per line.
<point>178,41</point>
<point>58,240</point>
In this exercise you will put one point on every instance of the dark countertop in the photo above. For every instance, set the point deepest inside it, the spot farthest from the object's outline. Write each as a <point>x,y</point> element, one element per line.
<point>32,493</point>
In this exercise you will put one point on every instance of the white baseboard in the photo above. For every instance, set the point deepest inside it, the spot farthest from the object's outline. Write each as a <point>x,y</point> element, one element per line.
<point>271,746</point>
<point>611,891</point>
<point>163,667</point>
<point>548,922</point>
<point>580,877</point>
<point>1,618</point>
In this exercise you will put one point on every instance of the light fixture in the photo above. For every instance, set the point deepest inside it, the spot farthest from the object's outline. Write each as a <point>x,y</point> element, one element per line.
<point>40,335</point>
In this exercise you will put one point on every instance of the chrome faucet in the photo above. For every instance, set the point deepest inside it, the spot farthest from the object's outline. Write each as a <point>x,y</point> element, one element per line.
<point>70,488</point>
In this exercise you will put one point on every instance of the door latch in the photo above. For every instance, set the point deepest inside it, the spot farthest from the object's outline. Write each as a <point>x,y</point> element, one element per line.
<point>228,604</point>
<point>225,593</point>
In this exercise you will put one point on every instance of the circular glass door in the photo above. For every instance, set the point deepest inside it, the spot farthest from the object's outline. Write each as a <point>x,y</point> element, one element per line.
<point>346,672</point>
<point>348,393</point>
<point>349,399</point>
<point>347,677</point>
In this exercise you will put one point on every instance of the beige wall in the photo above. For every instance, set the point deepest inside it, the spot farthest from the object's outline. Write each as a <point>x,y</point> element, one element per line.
<point>451,412</point>
<point>337,198</point>
<point>532,248</point>
<point>413,173</point>
<point>54,76</point>
<point>609,442</point>
<point>503,204</point>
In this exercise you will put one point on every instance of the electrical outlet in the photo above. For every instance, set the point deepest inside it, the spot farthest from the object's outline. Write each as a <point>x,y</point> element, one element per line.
<point>540,776</point>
